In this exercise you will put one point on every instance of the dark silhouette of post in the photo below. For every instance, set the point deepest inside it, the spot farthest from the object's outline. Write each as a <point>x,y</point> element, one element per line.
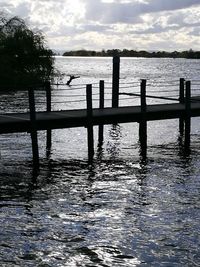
<point>33,129</point>
<point>101,106</point>
<point>143,122</point>
<point>115,81</point>
<point>90,133</point>
<point>48,96</point>
<point>181,101</point>
<point>48,109</point>
<point>187,115</point>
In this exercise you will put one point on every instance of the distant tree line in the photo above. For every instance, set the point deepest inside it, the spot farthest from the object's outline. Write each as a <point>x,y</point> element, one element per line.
<point>133,53</point>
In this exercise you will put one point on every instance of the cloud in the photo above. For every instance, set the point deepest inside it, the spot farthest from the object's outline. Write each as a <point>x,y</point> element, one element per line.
<point>155,29</point>
<point>23,10</point>
<point>160,5</point>
<point>97,24</point>
<point>130,12</point>
<point>95,28</point>
<point>4,4</point>
<point>195,32</point>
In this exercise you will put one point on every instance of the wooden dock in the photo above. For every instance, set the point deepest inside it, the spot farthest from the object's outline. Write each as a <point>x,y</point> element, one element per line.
<point>185,107</point>
<point>21,122</point>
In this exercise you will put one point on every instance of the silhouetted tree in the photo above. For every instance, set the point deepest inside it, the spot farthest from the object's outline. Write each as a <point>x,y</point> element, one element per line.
<point>24,58</point>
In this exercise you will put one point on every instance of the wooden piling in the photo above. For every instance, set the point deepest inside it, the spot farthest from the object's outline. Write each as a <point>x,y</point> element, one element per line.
<point>143,122</point>
<point>181,101</point>
<point>187,114</point>
<point>101,106</point>
<point>48,109</point>
<point>33,129</point>
<point>115,81</point>
<point>90,133</point>
<point>48,96</point>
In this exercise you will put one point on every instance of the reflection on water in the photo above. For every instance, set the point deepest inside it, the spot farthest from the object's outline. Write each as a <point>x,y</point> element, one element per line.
<point>122,211</point>
<point>119,212</point>
<point>113,145</point>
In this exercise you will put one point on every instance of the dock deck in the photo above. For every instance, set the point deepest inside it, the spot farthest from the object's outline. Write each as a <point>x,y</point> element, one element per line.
<point>21,122</point>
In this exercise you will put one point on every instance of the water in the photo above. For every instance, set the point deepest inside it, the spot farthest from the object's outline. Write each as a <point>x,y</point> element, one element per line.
<point>122,211</point>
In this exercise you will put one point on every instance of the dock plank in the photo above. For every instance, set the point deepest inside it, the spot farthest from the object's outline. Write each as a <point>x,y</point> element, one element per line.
<point>20,122</point>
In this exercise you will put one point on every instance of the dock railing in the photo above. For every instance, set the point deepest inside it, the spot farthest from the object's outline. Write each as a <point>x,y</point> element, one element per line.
<point>105,95</point>
<point>182,95</point>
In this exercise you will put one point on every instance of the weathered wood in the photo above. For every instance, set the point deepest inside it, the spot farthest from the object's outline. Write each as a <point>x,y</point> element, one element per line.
<point>48,96</point>
<point>20,122</point>
<point>115,81</point>
<point>181,90</point>
<point>143,122</point>
<point>90,133</point>
<point>48,109</point>
<point>143,96</point>
<point>101,106</point>
<point>33,129</point>
<point>187,114</point>
<point>181,101</point>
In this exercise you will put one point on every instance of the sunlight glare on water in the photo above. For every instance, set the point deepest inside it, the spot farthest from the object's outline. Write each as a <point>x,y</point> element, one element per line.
<point>122,211</point>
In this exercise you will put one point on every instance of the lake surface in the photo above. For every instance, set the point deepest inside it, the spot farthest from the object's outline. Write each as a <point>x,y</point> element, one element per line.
<point>123,210</point>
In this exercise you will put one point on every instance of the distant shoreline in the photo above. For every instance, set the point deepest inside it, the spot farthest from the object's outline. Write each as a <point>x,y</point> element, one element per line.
<point>189,54</point>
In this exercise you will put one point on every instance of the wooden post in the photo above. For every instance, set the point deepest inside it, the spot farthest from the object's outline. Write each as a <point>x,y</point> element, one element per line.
<point>115,82</point>
<point>48,95</point>
<point>181,91</point>
<point>33,129</point>
<point>187,114</point>
<point>181,101</point>
<point>90,133</point>
<point>48,109</point>
<point>143,122</point>
<point>101,106</point>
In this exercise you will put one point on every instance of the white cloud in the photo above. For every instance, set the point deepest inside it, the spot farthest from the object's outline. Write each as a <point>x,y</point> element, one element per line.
<point>97,24</point>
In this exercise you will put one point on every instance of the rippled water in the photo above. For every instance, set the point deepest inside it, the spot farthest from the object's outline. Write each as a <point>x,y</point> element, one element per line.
<point>121,211</point>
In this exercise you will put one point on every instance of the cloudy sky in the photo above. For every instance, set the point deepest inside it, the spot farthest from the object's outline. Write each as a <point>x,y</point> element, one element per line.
<point>106,24</point>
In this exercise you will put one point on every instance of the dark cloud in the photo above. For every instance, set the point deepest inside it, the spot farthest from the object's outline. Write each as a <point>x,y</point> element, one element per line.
<point>110,12</point>
<point>174,23</point>
<point>67,31</point>
<point>5,5</point>
<point>195,32</point>
<point>156,28</point>
<point>52,1</point>
<point>95,28</point>
<point>130,12</point>
<point>23,10</point>
<point>167,5</point>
